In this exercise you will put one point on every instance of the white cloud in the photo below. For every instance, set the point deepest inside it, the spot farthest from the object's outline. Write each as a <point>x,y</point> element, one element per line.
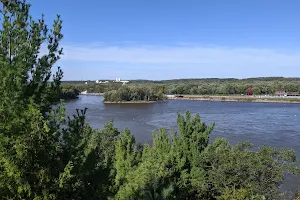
<point>180,54</point>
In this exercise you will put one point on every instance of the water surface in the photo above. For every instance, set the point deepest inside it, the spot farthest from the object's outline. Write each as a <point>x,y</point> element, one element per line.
<point>269,124</point>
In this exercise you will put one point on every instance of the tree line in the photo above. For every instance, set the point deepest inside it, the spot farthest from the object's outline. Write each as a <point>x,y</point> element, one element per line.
<point>45,154</point>
<point>91,87</point>
<point>234,87</point>
<point>259,86</point>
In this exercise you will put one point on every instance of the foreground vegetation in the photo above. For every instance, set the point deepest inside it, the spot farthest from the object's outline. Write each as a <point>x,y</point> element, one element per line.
<point>47,155</point>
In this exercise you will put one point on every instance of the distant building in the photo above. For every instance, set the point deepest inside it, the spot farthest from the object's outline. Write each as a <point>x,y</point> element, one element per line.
<point>98,81</point>
<point>293,94</point>
<point>118,80</point>
<point>281,93</point>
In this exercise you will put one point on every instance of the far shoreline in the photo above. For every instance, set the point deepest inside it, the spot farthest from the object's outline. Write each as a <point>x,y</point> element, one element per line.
<point>217,98</point>
<point>236,99</point>
<point>130,102</point>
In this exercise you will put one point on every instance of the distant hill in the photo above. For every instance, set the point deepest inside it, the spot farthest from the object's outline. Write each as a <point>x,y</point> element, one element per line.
<point>189,80</point>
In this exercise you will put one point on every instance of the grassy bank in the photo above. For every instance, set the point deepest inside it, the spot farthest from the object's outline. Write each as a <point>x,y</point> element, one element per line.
<point>237,98</point>
<point>129,102</point>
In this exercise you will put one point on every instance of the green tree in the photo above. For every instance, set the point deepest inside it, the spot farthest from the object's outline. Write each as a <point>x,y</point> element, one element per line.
<point>185,165</point>
<point>24,71</point>
<point>256,91</point>
<point>43,154</point>
<point>26,99</point>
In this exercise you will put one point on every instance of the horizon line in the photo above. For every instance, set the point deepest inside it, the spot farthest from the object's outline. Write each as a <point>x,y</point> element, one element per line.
<point>227,78</point>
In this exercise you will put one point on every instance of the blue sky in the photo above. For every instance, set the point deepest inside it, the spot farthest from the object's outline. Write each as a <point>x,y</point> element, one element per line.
<point>166,39</point>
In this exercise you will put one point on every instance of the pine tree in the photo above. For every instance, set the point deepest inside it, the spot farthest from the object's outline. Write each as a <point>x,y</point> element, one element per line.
<point>28,50</point>
<point>26,97</point>
<point>43,154</point>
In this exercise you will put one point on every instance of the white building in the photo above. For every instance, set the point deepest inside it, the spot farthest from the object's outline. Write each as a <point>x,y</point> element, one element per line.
<point>124,82</point>
<point>118,80</point>
<point>98,81</point>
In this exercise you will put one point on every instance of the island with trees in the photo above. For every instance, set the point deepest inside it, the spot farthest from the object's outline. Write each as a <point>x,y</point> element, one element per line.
<point>134,94</point>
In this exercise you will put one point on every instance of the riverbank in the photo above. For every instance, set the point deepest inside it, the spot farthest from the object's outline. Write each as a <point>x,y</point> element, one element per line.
<point>235,98</point>
<point>129,102</point>
<point>92,94</point>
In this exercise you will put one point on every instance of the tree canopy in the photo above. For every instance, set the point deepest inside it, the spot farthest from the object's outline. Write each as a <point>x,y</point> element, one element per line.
<point>260,86</point>
<point>135,93</point>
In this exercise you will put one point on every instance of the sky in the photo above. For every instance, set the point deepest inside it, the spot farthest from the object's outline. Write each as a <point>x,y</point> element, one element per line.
<point>171,39</point>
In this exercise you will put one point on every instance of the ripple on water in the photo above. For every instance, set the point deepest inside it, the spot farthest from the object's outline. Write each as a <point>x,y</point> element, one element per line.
<point>269,124</point>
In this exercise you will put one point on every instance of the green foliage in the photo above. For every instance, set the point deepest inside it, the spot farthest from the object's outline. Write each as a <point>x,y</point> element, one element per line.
<point>69,94</point>
<point>24,72</point>
<point>55,158</point>
<point>231,86</point>
<point>43,154</point>
<point>91,87</point>
<point>240,194</point>
<point>261,86</point>
<point>134,93</point>
<point>46,155</point>
<point>28,157</point>
<point>185,166</point>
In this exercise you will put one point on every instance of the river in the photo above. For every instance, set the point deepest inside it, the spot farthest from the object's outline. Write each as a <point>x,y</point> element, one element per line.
<point>269,124</point>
